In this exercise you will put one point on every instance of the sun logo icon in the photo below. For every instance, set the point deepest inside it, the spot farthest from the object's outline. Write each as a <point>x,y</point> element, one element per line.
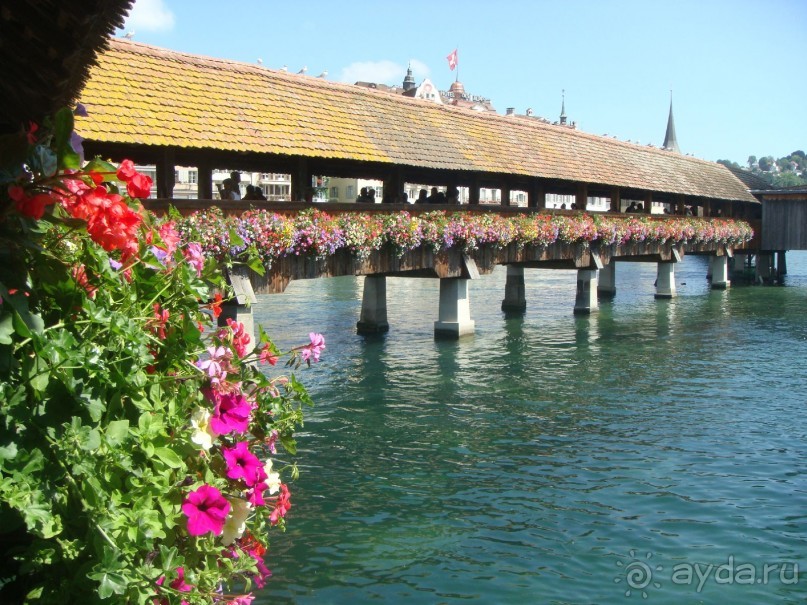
<point>638,575</point>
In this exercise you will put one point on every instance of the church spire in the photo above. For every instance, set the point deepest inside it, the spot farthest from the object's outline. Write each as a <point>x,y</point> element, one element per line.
<point>409,80</point>
<point>670,141</point>
<point>563,106</point>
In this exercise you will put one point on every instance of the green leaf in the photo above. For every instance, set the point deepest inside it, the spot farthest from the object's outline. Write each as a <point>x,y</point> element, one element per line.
<point>99,165</point>
<point>91,440</point>
<point>235,239</point>
<point>63,127</point>
<point>168,456</point>
<point>109,583</point>
<point>256,264</point>
<point>117,431</point>
<point>6,329</point>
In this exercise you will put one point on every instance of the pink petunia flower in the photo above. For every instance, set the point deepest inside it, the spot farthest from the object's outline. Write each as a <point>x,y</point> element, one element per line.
<point>243,464</point>
<point>206,510</point>
<point>180,584</point>
<point>232,414</point>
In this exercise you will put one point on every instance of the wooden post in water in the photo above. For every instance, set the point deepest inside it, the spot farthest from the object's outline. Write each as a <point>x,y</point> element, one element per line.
<point>240,307</point>
<point>373,317</point>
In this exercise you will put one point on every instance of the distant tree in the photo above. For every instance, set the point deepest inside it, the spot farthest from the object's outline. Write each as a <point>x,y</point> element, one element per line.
<point>799,153</point>
<point>784,164</point>
<point>729,164</point>
<point>788,179</point>
<point>765,163</point>
<point>752,161</point>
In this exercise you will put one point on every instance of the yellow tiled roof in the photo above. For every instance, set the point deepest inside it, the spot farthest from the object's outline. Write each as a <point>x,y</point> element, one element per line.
<point>140,94</point>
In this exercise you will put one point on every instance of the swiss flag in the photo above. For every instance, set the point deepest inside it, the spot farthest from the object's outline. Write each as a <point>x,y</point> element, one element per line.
<point>452,60</point>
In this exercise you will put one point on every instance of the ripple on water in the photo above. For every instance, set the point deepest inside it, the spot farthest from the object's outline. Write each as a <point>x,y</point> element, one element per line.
<point>528,463</point>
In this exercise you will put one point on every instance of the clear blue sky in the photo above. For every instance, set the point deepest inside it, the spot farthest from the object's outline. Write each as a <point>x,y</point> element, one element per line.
<point>736,67</point>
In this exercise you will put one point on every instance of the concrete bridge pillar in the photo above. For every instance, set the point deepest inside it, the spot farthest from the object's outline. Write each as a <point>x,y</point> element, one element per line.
<point>586,300</point>
<point>665,280</point>
<point>454,319</point>
<point>606,281</point>
<point>515,299</point>
<point>373,317</point>
<point>720,272</point>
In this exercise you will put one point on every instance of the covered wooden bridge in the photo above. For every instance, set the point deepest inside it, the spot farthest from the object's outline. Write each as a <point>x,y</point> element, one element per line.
<point>162,107</point>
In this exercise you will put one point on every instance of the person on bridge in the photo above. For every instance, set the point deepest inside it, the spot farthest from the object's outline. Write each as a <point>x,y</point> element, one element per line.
<point>423,197</point>
<point>228,190</point>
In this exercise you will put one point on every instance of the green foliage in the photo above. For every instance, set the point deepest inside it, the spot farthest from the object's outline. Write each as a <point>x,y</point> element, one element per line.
<point>99,380</point>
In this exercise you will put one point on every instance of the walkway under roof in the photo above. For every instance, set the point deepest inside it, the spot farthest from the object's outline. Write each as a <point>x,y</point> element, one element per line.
<point>143,101</point>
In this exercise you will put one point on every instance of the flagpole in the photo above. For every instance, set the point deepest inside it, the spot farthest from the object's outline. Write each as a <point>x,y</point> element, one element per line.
<point>457,76</point>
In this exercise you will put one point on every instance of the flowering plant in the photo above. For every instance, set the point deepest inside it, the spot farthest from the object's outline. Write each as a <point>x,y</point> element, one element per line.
<point>143,455</point>
<point>312,232</point>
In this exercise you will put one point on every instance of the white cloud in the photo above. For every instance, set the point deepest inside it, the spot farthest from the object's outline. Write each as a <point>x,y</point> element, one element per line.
<point>381,72</point>
<point>150,16</point>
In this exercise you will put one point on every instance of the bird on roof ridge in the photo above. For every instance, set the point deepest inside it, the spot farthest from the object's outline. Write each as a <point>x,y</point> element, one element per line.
<point>324,74</point>
<point>284,68</point>
<point>129,35</point>
<point>303,70</point>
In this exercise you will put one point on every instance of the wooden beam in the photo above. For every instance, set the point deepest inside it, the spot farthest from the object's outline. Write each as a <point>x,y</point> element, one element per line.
<point>473,191</point>
<point>301,181</point>
<point>648,202</point>
<point>536,195</point>
<point>204,181</point>
<point>505,189</point>
<point>581,196</point>
<point>166,177</point>
<point>616,200</point>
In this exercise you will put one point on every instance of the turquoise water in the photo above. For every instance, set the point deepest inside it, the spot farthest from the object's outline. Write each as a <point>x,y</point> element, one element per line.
<point>551,458</point>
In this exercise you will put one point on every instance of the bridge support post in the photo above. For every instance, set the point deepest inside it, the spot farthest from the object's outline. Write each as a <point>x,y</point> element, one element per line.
<point>454,319</point>
<point>373,318</point>
<point>586,300</point>
<point>665,280</point>
<point>606,281</point>
<point>781,262</point>
<point>720,272</point>
<point>740,260</point>
<point>515,299</point>
<point>765,268</point>
<point>240,307</point>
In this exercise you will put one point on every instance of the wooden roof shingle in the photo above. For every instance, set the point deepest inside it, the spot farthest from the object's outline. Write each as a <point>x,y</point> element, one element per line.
<point>143,95</point>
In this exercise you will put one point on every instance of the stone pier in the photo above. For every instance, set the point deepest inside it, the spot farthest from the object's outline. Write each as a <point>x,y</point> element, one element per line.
<point>454,319</point>
<point>586,300</point>
<point>239,308</point>
<point>665,280</point>
<point>720,272</point>
<point>606,281</point>
<point>373,317</point>
<point>515,298</point>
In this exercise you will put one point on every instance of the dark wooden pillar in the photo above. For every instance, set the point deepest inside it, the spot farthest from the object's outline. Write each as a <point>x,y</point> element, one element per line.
<point>536,196</point>
<point>473,191</point>
<point>204,182</point>
<point>680,206</point>
<point>166,174</point>
<point>648,203</point>
<point>505,189</point>
<point>616,200</point>
<point>300,181</point>
<point>707,208</point>
<point>581,196</point>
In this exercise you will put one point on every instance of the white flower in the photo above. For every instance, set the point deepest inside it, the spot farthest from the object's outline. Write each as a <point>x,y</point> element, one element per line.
<point>203,434</point>
<point>236,521</point>
<point>272,479</point>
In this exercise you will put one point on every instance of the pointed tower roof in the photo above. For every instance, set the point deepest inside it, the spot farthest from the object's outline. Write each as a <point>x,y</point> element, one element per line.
<point>670,141</point>
<point>409,80</point>
<point>563,107</point>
